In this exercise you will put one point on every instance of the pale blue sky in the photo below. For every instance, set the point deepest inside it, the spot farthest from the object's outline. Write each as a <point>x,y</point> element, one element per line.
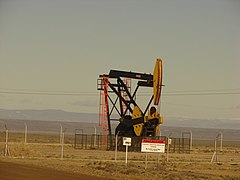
<point>63,45</point>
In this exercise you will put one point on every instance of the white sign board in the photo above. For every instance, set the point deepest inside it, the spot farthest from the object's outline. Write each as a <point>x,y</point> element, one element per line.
<point>153,146</point>
<point>127,141</point>
<point>169,141</point>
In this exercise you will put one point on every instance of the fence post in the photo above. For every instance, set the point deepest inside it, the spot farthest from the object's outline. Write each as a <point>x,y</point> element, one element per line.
<point>215,154</point>
<point>167,147</point>
<point>6,150</point>
<point>221,141</point>
<point>25,133</point>
<point>190,140</point>
<point>95,134</point>
<point>116,142</point>
<point>62,143</point>
<point>215,151</point>
<point>61,132</point>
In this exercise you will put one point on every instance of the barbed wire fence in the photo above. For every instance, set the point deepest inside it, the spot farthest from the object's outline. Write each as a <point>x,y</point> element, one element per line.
<point>58,140</point>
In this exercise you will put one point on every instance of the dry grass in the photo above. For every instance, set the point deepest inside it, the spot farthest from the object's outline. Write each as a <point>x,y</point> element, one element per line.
<point>101,163</point>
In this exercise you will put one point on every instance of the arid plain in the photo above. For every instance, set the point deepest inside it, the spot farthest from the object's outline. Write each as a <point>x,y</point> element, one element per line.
<point>38,159</point>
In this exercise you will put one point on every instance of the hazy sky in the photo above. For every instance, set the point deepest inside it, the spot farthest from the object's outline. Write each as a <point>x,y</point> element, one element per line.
<point>62,46</point>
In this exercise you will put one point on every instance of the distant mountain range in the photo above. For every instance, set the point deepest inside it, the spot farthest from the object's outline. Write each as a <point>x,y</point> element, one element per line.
<point>48,115</point>
<point>60,115</point>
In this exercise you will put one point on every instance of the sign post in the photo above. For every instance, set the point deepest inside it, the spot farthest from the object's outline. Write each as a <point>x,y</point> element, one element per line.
<point>146,161</point>
<point>156,146</point>
<point>126,142</point>
<point>169,141</point>
<point>116,145</point>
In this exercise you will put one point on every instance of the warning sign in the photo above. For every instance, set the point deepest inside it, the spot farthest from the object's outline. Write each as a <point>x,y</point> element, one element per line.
<point>127,141</point>
<point>153,145</point>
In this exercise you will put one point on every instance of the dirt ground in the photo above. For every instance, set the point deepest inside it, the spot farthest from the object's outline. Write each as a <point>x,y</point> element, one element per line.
<point>17,171</point>
<point>180,166</point>
<point>43,161</point>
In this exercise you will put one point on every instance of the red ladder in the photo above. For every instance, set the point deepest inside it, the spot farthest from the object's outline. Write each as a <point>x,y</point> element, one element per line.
<point>103,108</point>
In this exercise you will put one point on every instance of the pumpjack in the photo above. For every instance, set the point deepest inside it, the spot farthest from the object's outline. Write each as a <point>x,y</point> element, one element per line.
<point>132,120</point>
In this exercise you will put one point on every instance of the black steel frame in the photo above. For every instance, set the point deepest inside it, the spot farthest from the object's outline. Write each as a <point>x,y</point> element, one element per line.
<point>145,80</point>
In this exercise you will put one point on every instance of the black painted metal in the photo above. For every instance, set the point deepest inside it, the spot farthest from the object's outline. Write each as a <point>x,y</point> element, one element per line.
<point>133,75</point>
<point>118,87</point>
<point>91,141</point>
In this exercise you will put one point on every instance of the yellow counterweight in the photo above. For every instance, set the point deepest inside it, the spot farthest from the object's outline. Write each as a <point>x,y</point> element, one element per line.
<point>137,113</point>
<point>157,81</point>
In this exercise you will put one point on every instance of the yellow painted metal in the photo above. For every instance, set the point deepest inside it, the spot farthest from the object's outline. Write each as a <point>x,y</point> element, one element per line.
<point>153,115</point>
<point>157,81</point>
<point>137,113</point>
<point>156,130</point>
<point>160,120</point>
<point>138,129</point>
<point>145,119</point>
